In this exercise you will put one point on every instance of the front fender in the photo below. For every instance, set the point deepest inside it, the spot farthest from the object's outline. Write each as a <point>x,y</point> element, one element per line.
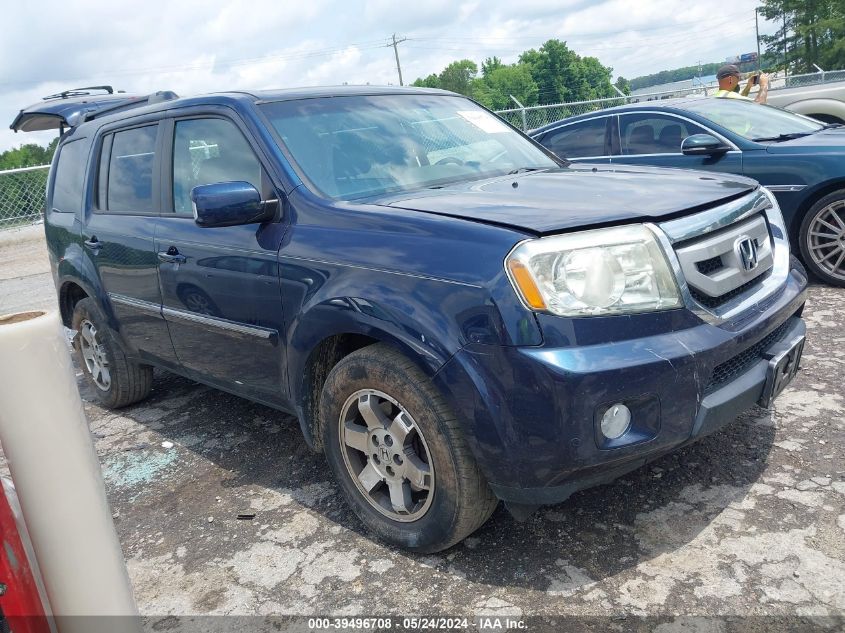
<point>428,319</point>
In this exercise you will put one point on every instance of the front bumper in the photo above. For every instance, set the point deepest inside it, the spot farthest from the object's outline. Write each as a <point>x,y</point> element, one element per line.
<point>532,413</point>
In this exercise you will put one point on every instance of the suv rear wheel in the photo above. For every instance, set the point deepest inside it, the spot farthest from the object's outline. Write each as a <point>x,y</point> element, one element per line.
<point>398,454</point>
<point>822,238</point>
<point>115,381</point>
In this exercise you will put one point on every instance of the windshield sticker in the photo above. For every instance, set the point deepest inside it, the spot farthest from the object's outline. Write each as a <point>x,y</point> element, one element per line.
<point>483,121</point>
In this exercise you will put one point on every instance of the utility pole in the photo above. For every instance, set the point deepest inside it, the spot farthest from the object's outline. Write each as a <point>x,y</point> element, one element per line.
<point>757,29</point>
<point>785,63</point>
<point>395,44</point>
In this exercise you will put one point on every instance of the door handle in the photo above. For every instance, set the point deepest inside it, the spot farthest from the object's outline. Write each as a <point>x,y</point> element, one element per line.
<point>172,256</point>
<point>93,243</point>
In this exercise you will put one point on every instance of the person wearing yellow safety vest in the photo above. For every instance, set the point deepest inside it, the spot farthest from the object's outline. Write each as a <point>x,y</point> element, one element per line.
<point>728,77</point>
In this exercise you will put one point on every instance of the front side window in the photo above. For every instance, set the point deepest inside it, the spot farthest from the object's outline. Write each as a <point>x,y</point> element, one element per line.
<point>130,170</point>
<point>70,173</point>
<point>654,133</point>
<point>579,140</point>
<point>208,151</point>
<point>360,146</point>
<point>754,121</point>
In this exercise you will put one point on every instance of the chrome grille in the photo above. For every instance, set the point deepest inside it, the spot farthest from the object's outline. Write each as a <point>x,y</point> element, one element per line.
<point>722,264</point>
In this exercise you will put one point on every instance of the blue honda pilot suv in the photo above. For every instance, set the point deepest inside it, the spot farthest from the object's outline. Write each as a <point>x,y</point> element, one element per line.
<point>454,315</point>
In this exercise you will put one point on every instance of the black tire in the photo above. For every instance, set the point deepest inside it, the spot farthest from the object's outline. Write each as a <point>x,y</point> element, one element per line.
<point>129,382</point>
<point>461,501</point>
<point>823,269</point>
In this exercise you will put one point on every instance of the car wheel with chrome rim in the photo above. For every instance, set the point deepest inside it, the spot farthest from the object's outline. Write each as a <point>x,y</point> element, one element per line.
<point>115,380</point>
<point>822,238</point>
<point>396,449</point>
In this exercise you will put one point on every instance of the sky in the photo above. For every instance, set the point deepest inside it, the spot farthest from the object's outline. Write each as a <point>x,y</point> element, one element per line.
<point>215,45</point>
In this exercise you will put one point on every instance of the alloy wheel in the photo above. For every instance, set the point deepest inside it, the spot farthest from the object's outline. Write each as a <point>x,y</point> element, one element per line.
<point>826,239</point>
<point>94,355</point>
<point>386,455</point>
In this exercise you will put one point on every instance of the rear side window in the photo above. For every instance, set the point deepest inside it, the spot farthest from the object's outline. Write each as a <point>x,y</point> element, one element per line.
<point>129,180</point>
<point>70,174</point>
<point>654,133</point>
<point>579,139</point>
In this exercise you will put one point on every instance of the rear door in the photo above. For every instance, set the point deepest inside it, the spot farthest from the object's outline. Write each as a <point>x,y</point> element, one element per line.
<point>220,286</point>
<point>587,140</point>
<point>651,138</point>
<point>118,235</point>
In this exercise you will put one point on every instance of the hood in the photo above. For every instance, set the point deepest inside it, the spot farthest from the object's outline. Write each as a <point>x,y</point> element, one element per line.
<point>577,196</point>
<point>826,141</point>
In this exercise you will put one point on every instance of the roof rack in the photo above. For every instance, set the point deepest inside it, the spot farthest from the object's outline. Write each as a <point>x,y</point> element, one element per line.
<point>80,92</point>
<point>131,102</point>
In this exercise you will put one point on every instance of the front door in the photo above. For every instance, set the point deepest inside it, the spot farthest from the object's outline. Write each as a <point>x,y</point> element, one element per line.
<point>118,237</point>
<point>220,286</point>
<point>587,140</point>
<point>646,138</point>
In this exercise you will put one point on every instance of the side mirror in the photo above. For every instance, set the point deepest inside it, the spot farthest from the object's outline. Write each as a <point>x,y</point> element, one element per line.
<point>703,144</point>
<point>229,204</point>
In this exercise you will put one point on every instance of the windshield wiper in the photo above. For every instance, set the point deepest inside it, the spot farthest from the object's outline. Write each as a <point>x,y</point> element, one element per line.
<point>522,170</point>
<point>782,137</point>
<point>830,126</point>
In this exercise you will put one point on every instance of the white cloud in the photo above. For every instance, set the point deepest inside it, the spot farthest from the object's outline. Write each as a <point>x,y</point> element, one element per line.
<point>197,46</point>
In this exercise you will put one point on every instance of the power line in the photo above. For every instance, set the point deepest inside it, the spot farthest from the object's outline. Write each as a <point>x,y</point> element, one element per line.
<point>463,47</point>
<point>725,19</point>
<point>246,61</point>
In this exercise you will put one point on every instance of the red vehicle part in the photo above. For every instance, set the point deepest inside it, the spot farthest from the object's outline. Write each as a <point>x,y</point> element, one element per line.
<point>23,605</point>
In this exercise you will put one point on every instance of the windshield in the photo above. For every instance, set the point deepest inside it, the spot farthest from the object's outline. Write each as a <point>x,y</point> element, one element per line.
<point>360,146</point>
<point>754,121</point>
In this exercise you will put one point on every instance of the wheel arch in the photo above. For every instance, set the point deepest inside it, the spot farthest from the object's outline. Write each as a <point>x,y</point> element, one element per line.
<point>824,107</point>
<point>818,192</point>
<point>315,348</point>
<point>70,293</point>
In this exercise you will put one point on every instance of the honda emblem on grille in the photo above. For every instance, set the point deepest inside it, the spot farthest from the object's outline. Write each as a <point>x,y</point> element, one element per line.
<point>746,252</point>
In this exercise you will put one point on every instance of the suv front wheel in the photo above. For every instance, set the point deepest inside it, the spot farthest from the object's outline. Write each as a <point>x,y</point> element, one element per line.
<point>114,380</point>
<point>396,450</point>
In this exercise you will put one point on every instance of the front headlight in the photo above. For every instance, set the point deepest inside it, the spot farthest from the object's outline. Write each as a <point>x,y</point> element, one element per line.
<point>618,270</point>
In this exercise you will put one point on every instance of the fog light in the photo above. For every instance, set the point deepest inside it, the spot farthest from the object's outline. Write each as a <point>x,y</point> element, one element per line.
<point>616,421</point>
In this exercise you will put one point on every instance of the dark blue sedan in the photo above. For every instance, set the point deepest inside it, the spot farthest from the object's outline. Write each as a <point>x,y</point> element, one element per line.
<point>799,159</point>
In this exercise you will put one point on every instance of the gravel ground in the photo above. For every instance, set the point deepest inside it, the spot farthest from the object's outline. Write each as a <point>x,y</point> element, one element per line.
<point>744,530</point>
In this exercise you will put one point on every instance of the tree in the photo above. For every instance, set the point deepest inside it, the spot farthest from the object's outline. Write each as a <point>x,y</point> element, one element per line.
<point>623,84</point>
<point>811,32</point>
<point>562,75</point>
<point>489,65</point>
<point>678,74</point>
<point>458,76</point>
<point>28,155</point>
<point>432,81</point>
<point>552,74</point>
<point>494,90</point>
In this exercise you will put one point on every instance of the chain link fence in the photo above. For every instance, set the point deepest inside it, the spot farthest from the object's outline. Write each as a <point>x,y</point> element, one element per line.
<point>22,195</point>
<point>536,116</point>
<point>812,79</point>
